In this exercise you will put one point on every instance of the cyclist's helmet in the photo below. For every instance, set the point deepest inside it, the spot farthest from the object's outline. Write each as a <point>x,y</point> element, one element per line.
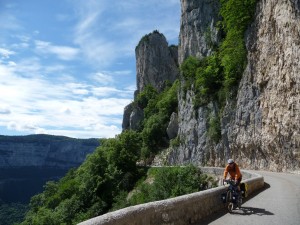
<point>230,161</point>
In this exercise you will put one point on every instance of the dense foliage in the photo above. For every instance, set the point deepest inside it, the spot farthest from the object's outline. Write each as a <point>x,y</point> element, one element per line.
<point>206,76</point>
<point>236,15</point>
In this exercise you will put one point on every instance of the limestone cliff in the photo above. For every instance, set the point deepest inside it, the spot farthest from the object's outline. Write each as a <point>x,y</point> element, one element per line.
<point>265,129</point>
<point>261,125</point>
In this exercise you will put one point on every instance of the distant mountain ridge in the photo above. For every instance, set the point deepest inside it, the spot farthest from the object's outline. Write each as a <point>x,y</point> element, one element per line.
<point>28,162</point>
<point>44,151</point>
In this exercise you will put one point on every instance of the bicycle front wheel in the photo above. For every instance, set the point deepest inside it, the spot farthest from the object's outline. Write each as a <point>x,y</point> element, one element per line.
<point>229,201</point>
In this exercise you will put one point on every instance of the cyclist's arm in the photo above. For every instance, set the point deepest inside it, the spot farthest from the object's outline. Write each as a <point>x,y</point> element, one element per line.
<point>237,173</point>
<point>225,172</point>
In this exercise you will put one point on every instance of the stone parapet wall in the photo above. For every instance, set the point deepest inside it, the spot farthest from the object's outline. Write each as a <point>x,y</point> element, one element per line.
<point>182,210</point>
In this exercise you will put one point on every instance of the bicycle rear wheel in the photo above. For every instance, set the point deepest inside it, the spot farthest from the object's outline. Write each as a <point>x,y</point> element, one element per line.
<point>240,201</point>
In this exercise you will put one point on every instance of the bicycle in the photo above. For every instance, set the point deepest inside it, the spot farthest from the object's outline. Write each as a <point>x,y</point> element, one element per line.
<point>232,198</point>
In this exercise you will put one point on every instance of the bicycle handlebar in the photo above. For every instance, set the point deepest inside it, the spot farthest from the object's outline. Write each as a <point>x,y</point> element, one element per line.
<point>230,181</point>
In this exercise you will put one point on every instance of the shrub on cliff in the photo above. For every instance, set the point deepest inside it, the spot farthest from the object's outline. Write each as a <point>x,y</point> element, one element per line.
<point>236,16</point>
<point>168,182</point>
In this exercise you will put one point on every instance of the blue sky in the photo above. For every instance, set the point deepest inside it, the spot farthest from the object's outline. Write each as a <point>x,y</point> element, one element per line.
<point>67,67</point>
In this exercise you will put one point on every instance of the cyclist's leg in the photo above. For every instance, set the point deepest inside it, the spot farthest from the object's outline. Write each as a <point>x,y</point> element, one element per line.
<point>238,184</point>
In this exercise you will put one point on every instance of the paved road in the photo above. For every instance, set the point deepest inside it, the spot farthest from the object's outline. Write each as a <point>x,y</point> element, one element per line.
<point>277,204</point>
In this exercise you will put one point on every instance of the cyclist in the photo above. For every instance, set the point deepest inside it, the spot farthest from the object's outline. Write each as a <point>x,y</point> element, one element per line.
<point>234,171</point>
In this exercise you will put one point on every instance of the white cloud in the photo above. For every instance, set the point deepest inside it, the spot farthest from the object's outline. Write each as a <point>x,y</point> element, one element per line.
<point>36,105</point>
<point>62,52</point>
<point>5,53</point>
<point>80,91</point>
<point>102,78</point>
<point>4,110</point>
<point>12,125</point>
<point>23,38</point>
<point>96,50</point>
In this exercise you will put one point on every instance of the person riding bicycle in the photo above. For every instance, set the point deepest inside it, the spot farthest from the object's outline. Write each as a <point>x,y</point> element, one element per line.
<point>234,171</point>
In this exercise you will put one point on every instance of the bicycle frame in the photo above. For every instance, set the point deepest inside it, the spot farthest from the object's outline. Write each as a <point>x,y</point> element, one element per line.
<point>233,197</point>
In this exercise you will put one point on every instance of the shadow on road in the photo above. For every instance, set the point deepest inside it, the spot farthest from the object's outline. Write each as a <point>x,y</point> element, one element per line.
<point>246,211</point>
<point>243,211</point>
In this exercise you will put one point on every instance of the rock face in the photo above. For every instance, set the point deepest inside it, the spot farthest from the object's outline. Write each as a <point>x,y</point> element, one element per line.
<point>44,151</point>
<point>126,116</point>
<point>198,35</point>
<point>172,129</point>
<point>198,31</point>
<point>261,126</point>
<point>156,62</point>
<point>266,126</point>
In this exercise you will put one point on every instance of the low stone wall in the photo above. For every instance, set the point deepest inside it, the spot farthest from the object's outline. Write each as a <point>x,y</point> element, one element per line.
<point>182,210</point>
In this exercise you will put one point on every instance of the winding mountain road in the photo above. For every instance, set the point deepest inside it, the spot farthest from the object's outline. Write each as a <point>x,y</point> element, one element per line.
<point>277,204</point>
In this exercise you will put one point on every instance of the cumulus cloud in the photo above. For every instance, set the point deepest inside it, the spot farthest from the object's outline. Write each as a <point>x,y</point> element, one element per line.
<point>5,53</point>
<point>102,78</point>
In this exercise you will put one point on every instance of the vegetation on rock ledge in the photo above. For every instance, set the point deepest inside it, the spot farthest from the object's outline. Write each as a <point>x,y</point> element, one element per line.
<point>216,76</point>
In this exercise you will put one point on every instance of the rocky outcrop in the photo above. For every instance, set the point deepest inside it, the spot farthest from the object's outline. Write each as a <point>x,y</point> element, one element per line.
<point>198,32</point>
<point>156,62</point>
<point>44,151</point>
<point>261,125</point>
<point>136,118</point>
<point>126,116</point>
<point>172,129</point>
